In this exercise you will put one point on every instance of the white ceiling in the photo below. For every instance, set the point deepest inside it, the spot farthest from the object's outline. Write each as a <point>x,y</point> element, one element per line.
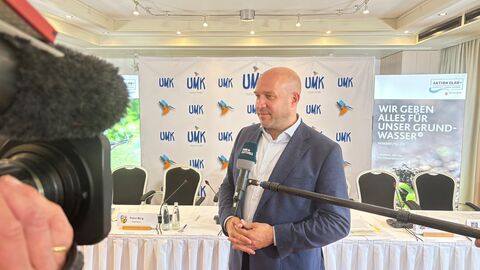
<point>109,28</point>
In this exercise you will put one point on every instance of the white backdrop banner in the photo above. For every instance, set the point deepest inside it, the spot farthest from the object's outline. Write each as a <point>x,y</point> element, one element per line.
<point>191,110</point>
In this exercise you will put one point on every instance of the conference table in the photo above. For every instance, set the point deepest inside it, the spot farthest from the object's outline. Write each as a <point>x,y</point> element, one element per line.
<point>372,244</point>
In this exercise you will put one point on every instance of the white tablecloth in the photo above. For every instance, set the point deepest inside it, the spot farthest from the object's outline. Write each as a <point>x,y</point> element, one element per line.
<point>200,246</point>
<point>396,249</point>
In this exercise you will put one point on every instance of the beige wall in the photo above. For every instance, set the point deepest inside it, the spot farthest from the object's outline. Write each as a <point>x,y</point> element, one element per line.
<point>411,62</point>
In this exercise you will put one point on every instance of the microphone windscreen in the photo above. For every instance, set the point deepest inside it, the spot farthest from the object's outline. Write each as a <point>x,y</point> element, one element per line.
<point>75,96</point>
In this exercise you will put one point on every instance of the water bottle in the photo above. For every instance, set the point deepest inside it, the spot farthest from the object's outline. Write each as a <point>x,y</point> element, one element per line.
<point>176,217</point>
<point>166,224</point>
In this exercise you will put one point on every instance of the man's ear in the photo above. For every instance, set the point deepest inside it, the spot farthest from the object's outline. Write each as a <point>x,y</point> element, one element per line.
<point>295,98</point>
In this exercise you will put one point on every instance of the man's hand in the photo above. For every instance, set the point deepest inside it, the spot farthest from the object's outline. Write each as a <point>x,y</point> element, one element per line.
<point>477,242</point>
<point>236,236</point>
<point>30,228</point>
<point>259,234</point>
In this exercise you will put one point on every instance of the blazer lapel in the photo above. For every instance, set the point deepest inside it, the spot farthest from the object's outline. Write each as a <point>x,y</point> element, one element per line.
<point>289,159</point>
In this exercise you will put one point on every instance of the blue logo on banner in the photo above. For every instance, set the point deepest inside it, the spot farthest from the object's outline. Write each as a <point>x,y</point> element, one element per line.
<point>197,163</point>
<point>313,109</point>
<point>345,82</point>
<point>225,82</point>
<point>314,82</point>
<point>225,136</point>
<point>195,109</point>
<point>165,82</point>
<point>343,137</point>
<point>251,109</point>
<point>250,80</point>
<point>196,136</point>
<point>196,83</point>
<point>168,136</point>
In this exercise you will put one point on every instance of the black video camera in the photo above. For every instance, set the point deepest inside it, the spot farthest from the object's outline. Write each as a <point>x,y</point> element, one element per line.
<point>73,173</point>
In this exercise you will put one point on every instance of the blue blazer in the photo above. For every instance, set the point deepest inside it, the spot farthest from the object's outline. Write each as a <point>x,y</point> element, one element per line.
<point>311,162</point>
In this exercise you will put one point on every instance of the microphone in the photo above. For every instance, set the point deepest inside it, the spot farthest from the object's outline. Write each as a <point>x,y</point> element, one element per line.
<point>168,198</point>
<point>245,162</point>
<point>148,195</point>
<point>215,198</point>
<point>400,215</point>
<point>52,111</point>
<point>49,98</point>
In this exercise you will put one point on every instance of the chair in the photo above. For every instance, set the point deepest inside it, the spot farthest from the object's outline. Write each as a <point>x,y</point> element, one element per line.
<point>377,187</point>
<point>185,195</point>
<point>128,184</point>
<point>434,191</point>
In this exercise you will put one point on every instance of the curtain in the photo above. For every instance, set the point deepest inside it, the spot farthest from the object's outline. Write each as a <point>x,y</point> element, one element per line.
<point>465,58</point>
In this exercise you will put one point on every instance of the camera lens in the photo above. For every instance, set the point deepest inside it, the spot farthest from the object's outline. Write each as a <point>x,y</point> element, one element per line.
<point>48,170</point>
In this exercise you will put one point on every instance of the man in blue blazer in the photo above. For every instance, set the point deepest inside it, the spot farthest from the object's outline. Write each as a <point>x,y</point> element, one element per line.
<point>275,230</point>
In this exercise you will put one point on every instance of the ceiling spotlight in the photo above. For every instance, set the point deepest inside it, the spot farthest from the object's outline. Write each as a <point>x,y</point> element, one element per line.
<point>365,10</point>
<point>205,24</point>
<point>247,15</point>
<point>135,11</point>
<point>328,32</point>
<point>179,32</point>
<point>252,32</point>
<point>298,24</point>
<point>406,32</point>
<point>442,14</point>
<point>68,16</point>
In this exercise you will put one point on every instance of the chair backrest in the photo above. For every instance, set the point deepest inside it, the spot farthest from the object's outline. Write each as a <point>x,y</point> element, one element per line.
<point>174,177</point>
<point>128,184</point>
<point>377,187</point>
<point>435,191</point>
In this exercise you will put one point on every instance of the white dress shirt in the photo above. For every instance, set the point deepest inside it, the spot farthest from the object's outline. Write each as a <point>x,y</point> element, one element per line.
<point>268,153</point>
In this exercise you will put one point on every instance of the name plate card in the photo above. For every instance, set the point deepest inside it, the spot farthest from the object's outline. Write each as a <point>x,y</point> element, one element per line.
<point>137,221</point>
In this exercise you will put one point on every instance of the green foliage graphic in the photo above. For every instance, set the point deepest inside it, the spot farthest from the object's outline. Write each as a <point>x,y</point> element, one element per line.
<point>124,137</point>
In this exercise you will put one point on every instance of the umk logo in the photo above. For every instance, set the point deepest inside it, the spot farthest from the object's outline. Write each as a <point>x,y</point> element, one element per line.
<point>196,82</point>
<point>225,82</point>
<point>314,82</point>
<point>196,136</point>
<point>166,82</point>
<point>196,109</point>
<point>343,137</point>
<point>251,109</point>
<point>197,163</point>
<point>249,80</point>
<point>225,136</point>
<point>313,109</point>
<point>345,82</point>
<point>168,136</point>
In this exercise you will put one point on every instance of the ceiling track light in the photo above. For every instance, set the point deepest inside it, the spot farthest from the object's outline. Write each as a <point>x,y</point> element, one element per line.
<point>298,24</point>
<point>247,15</point>
<point>365,8</point>
<point>205,23</point>
<point>135,10</point>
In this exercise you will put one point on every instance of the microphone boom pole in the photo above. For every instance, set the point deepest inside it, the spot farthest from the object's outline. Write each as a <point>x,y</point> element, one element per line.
<point>400,215</point>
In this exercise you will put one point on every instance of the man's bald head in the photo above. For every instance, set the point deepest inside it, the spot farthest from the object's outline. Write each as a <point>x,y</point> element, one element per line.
<point>284,76</point>
<point>278,93</point>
